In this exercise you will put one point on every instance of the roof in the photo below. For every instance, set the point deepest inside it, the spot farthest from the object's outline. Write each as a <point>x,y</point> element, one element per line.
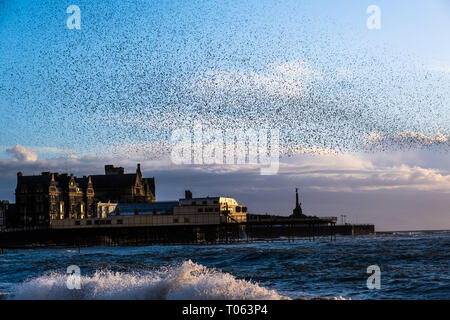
<point>196,199</point>
<point>44,180</point>
<point>113,180</point>
<point>161,207</point>
<point>34,180</point>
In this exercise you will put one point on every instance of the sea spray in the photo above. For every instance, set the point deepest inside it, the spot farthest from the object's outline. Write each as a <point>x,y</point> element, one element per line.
<point>184,281</point>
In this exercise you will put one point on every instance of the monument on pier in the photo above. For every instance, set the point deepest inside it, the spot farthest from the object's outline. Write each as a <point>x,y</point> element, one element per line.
<point>297,212</point>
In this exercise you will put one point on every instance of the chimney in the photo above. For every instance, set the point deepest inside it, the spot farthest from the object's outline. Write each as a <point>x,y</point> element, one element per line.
<point>188,194</point>
<point>19,174</point>
<point>296,197</point>
<point>110,169</point>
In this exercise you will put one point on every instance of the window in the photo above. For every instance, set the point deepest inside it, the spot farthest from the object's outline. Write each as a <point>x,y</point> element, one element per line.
<point>175,220</point>
<point>204,202</point>
<point>200,209</point>
<point>89,222</point>
<point>194,203</point>
<point>186,220</point>
<point>77,222</point>
<point>238,209</point>
<point>108,221</point>
<point>120,221</point>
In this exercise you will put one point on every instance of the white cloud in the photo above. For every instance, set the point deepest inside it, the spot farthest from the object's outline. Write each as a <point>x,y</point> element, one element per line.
<point>286,79</point>
<point>441,68</point>
<point>294,69</point>
<point>20,153</point>
<point>322,172</point>
<point>52,150</point>
<point>352,172</point>
<point>407,139</point>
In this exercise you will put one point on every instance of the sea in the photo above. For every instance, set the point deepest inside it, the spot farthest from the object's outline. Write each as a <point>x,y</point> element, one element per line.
<point>388,265</point>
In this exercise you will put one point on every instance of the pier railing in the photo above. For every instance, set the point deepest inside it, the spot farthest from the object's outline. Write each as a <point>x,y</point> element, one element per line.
<point>34,228</point>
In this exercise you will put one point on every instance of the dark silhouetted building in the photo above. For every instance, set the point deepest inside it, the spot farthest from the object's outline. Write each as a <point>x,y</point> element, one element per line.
<point>115,185</point>
<point>52,196</point>
<point>60,196</point>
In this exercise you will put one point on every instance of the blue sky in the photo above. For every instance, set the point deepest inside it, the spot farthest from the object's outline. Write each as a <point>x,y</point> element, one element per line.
<point>131,58</point>
<point>138,69</point>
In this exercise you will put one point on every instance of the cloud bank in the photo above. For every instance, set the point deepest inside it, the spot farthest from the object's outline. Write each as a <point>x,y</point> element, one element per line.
<point>329,183</point>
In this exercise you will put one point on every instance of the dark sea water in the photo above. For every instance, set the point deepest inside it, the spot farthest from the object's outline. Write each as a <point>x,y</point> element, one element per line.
<point>413,265</point>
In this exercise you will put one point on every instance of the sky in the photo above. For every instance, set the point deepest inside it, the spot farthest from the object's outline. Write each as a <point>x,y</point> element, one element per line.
<point>363,115</point>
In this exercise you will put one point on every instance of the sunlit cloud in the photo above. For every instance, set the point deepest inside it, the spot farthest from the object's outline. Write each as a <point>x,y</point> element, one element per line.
<point>406,139</point>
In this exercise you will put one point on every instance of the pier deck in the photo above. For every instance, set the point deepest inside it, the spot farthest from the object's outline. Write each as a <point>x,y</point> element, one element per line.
<point>252,230</point>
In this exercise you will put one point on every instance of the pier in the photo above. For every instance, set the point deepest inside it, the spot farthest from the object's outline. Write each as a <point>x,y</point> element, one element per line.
<point>281,228</point>
<point>140,220</point>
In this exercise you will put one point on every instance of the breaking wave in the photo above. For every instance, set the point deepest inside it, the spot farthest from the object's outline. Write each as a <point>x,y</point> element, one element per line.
<point>186,281</point>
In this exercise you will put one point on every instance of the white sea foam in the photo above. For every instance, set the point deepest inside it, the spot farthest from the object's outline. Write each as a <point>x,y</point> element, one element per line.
<point>186,281</point>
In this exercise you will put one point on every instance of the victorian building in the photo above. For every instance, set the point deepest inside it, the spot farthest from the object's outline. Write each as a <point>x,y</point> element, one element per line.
<point>115,185</point>
<point>60,196</point>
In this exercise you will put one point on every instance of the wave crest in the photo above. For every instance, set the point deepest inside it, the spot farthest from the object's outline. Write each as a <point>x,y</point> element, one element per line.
<point>186,281</point>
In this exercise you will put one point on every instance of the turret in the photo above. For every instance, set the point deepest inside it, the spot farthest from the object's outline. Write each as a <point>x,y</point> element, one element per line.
<point>138,170</point>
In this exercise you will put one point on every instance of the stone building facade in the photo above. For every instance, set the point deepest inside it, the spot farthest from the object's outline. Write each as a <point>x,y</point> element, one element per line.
<point>60,196</point>
<point>4,204</point>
